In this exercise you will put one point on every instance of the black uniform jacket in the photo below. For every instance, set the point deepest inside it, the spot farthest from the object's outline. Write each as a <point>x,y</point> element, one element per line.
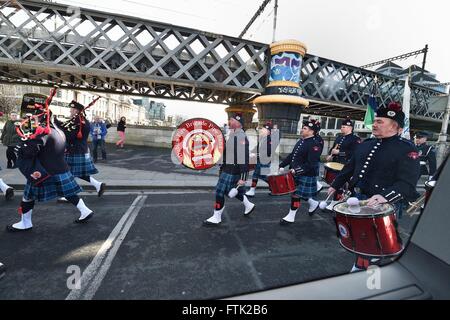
<point>388,167</point>
<point>305,157</point>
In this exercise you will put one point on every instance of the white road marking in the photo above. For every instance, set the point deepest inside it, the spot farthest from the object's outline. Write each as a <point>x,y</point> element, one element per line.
<point>94,274</point>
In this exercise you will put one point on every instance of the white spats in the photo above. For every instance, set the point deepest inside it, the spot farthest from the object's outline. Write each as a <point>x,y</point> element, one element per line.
<point>248,206</point>
<point>290,218</point>
<point>251,192</point>
<point>95,183</point>
<point>216,218</point>
<point>319,186</point>
<point>24,223</point>
<point>85,211</point>
<point>331,205</point>
<point>313,205</point>
<point>3,186</point>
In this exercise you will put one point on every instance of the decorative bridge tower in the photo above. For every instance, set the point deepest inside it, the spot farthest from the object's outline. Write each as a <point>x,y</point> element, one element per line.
<point>282,102</point>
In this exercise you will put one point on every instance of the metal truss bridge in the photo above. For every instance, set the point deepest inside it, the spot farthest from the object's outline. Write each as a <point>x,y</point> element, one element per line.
<point>43,43</point>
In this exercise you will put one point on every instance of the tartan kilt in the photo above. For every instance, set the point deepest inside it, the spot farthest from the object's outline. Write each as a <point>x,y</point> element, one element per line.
<point>226,183</point>
<point>81,165</point>
<point>257,173</point>
<point>59,185</point>
<point>306,187</point>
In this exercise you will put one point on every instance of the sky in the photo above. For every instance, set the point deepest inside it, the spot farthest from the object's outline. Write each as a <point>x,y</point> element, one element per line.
<point>355,32</point>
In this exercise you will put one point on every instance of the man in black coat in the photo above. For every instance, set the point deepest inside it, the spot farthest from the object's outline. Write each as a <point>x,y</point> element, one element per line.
<point>384,169</point>
<point>427,154</point>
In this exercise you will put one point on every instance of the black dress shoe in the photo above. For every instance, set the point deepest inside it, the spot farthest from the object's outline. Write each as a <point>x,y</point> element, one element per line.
<point>102,189</point>
<point>9,194</point>
<point>85,219</point>
<point>206,223</point>
<point>10,228</point>
<point>285,223</point>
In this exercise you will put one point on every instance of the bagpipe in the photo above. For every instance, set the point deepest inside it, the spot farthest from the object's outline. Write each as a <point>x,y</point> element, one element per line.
<point>76,122</point>
<point>27,130</point>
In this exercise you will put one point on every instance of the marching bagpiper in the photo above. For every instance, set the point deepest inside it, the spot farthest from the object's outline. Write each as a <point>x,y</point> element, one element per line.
<point>77,155</point>
<point>41,160</point>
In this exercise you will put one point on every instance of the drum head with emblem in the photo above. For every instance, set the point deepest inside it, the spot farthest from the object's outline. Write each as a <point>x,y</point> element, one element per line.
<point>362,210</point>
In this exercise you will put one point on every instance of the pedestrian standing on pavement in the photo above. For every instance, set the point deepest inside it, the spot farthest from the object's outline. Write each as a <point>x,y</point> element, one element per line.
<point>98,134</point>
<point>41,161</point>
<point>304,163</point>
<point>121,131</point>
<point>10,139</point>
<point>384,169</point>
<point>427,155</point>
<point>4,188</point>
<point>77,153</point>
<point>233,171</point>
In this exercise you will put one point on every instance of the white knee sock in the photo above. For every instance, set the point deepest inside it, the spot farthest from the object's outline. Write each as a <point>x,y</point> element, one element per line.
<point>3,186</point>
<point>95,183</point>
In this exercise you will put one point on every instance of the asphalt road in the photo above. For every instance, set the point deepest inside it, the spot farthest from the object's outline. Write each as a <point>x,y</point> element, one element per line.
<point>153,246</point>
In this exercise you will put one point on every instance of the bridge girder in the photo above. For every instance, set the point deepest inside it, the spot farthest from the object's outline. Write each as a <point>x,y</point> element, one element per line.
<point>46,44</point>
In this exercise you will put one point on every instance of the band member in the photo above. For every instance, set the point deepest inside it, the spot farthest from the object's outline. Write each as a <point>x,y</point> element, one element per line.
<point>78,157</point>
<point>384,169</point>
<point>320,140</point>
<point>234,170</point>
<point>304,163</point>
<point>41,160</point>
<point>342,150</point>
<point>427,154</point>
<point>5,189</point>
<point>264,151</point>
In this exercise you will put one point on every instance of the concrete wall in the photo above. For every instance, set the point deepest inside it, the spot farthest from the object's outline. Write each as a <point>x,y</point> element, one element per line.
<point>160,137</point>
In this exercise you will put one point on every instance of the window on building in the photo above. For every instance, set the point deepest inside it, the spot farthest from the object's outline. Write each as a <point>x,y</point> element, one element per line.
<point>331,123</point>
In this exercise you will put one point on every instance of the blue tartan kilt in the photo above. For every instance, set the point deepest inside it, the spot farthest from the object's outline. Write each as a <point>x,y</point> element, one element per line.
<point>226,183</point>
<point>306,187</point>
<point>257,173</point>
<point>59,185</point>
<point>81,165</point>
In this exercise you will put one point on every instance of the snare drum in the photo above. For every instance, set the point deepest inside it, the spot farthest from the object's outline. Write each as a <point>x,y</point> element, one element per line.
<point>331,171</point>
<point>368,231</point>
<point>281,184</point>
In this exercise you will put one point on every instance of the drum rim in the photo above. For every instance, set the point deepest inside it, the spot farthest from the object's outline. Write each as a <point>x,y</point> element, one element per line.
<point>357,215</point>
<point>325,165</point>
<point>374,255</point>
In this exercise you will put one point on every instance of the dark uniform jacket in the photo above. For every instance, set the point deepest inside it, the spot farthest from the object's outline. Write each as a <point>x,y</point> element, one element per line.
<point>388,167</point>
<point>235,159</point>
<point>74,144</point>
<point>346,145</point>
<point>305,157</point>
<point>427,156</point>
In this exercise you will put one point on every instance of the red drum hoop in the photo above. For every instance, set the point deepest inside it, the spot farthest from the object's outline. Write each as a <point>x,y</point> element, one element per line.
<point>368,231</point>
<point>281,184</point>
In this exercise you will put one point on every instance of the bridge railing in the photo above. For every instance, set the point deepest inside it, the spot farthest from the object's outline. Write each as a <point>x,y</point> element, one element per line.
<point>336,82</point>
<point>97,50</point>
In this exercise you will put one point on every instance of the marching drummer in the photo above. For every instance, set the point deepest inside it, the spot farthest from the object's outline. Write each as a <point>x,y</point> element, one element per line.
<point>384,169</point>
<point>263,154</point>
<point>304,163</point>
<point>341,152</point>
<point>233,172</point>
<point>427,154</point>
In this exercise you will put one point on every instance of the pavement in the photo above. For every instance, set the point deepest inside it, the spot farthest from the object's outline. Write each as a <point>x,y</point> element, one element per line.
<point>147,241</point>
